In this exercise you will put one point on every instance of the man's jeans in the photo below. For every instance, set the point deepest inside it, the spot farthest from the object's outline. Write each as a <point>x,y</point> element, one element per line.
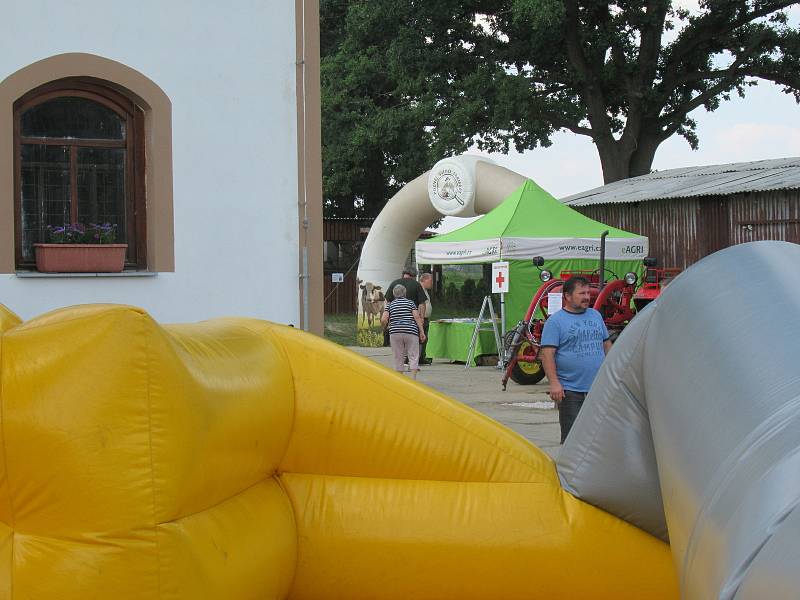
<point>568,410</point>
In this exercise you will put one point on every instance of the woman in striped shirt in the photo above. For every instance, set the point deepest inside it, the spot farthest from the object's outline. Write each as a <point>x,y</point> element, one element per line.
<point>405,330</point>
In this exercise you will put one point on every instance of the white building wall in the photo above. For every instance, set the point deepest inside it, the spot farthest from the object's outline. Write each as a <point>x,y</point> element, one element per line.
<point>229,70</point>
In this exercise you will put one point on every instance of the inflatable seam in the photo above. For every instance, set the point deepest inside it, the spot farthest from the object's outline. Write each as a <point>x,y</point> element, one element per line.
<point>277,475</point>
<point>218,504</point>
<point>5,466</point>
<point>276,339</point>
<point>148,375</point>
<point>730,590</point>
<point>286,493</point>
<point>726,472</point>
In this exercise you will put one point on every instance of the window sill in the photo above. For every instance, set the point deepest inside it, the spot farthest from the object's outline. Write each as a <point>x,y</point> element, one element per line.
<point>37,275</point>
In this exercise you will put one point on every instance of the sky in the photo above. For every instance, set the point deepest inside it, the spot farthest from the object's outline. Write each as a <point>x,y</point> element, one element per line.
<point>764,124</point>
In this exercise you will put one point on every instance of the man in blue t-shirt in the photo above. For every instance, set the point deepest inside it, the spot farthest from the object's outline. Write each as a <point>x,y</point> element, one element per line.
<point>574,344</point>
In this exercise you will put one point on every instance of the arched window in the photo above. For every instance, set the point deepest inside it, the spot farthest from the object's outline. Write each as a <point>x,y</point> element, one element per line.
<point>79,158</point>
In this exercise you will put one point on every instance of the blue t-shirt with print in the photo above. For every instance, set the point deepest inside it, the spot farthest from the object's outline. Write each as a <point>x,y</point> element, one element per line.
<point>578,339</point>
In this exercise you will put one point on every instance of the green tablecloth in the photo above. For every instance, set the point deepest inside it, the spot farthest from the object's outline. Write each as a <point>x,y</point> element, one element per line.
<point>450,339</point>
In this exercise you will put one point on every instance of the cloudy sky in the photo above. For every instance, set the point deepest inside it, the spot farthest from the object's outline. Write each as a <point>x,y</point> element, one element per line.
<point>765,124</point>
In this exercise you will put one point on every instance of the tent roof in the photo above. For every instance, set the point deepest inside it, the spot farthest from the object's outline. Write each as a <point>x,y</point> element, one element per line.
<point>530,212</point>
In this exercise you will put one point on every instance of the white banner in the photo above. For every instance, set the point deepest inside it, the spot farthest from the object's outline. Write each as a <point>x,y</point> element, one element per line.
<point>480,251</point>
<point>444,253</point>
<point>554,302</point>
<point>500,278</point>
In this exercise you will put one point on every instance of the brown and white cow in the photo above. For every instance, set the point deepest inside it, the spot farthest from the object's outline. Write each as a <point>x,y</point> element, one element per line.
<point>371,302</point>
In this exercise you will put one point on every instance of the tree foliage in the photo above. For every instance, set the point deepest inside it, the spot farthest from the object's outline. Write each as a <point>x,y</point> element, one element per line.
<point>406,82</point>
<point>384,121</point>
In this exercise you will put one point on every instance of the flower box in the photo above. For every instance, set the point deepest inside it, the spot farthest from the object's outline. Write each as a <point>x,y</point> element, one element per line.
<point>80,258</point>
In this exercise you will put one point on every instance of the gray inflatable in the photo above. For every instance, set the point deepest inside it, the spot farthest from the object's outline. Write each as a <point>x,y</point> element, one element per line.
<point>692,428</point>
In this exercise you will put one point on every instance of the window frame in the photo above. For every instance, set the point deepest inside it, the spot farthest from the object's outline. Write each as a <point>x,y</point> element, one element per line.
<point>134,144</point>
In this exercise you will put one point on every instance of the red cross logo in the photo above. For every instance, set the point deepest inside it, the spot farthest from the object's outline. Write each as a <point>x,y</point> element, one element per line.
<point>500,279</point>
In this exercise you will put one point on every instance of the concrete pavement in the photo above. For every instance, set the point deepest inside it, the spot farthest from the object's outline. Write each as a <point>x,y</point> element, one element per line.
<point>524,408</point>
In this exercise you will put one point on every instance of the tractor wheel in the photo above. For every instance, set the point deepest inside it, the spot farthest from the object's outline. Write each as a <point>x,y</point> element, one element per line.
<point>524,372</point>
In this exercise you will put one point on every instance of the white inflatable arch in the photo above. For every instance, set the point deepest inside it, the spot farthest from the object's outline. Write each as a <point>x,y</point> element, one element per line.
<point>461,186</point>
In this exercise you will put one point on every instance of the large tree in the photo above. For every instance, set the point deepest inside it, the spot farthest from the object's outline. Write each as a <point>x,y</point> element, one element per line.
<point>382,112</point>
<point>405,81</point>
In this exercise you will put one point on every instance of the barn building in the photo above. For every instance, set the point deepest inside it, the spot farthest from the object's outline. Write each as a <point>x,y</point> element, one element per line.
<point>691,212</point>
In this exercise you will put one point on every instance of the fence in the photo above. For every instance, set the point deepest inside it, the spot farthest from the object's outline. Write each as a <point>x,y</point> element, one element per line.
<point>340,297</point>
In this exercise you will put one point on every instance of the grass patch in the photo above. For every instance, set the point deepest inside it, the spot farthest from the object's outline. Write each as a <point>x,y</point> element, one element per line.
<point>341,329</point>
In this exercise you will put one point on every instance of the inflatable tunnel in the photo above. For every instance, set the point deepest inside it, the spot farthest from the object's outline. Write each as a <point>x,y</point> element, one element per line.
<point>237,459</point>
<point>692,427</point>
<point>460,186</point>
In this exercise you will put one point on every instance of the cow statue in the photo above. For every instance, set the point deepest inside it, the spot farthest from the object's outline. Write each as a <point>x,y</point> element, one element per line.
<point>371,301</point>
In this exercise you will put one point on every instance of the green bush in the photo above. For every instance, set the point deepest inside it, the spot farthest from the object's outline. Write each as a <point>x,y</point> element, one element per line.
<point>451,294</point>
<point>468,295</point>
<point>481,291</point>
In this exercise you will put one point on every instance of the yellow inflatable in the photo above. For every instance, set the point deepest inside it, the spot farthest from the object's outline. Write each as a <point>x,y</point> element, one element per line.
<point>237,459</point>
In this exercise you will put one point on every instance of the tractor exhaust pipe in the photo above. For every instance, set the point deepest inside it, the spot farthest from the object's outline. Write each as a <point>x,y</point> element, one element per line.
<point>603,259</point>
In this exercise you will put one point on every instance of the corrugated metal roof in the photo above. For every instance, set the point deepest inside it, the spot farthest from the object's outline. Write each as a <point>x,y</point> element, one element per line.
<point>687,182</point>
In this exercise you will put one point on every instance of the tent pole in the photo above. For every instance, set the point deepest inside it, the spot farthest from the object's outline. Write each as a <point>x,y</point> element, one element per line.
<point>603,259</point>
<point>501,363</point>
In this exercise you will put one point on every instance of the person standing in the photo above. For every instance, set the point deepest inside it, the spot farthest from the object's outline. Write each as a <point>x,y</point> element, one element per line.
<point>426,282</point>
<point>414,293</point>
<point>404,324</point>
<point>574,343</point>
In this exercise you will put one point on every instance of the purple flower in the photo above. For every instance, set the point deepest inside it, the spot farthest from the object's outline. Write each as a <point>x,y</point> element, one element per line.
<point>78,233</point>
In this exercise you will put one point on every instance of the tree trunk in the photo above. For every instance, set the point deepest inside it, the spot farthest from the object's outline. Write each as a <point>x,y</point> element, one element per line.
<point>619,162</point>
<point>641,162</point>
<point>615,162</point>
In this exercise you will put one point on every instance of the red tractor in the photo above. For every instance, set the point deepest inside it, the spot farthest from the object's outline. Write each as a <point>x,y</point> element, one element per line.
<point>615,299</point>
<point>655,279</point>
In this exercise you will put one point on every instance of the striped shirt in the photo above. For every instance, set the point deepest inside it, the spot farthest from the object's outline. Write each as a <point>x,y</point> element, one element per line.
<point>401,318</point>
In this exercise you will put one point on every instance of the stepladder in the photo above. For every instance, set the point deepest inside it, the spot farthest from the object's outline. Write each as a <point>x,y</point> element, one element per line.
<point>487,321</point>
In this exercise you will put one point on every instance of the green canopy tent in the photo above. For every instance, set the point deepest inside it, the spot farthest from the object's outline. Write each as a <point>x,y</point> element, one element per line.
<point>531,222</point>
